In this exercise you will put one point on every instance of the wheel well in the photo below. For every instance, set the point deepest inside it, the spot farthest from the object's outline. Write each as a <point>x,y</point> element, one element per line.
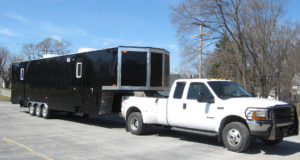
<point>227,120</point>
<point>44,105</point>
<point>132,109</point>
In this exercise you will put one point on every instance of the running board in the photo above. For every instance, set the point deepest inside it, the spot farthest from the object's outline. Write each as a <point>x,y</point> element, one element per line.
<point>202,132</point>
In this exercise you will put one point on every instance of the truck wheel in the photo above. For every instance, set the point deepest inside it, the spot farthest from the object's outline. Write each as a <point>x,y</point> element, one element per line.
<point>272,143</point>
<point>236,137</point>
<point>31,110</point>
<point>135,123</point>
<point>45,112</point>
<point>38,111</point>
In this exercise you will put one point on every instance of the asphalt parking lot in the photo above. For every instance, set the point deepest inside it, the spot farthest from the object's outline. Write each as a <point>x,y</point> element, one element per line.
<point>100,137</point>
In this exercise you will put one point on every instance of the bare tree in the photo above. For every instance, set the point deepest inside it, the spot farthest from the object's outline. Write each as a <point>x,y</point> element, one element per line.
<point>251,29</point>
<point>47,46</point>
<point>4,64</point>
<point>4,56</point>
<point>29,50</point>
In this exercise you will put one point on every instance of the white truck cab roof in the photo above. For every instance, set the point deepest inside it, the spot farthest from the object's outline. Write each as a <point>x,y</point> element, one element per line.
<point>200,80</point>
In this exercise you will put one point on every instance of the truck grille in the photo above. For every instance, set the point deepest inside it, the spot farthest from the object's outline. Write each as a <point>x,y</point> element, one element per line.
<point>282,114</point>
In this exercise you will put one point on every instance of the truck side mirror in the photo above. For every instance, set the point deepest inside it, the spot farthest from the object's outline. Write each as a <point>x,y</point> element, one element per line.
<point>203,98</point>
<point>211,99</point>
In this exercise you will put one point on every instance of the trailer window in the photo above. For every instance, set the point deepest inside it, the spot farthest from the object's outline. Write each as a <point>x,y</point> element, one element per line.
<point>156,69</point>
<point>134,68</point>
<point>78,69</point>
<point>179,90</point>
<point>22,74</point>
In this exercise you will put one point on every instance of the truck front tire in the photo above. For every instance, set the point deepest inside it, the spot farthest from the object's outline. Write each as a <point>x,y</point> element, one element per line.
<point>236,137</point>
<point>135,123</point>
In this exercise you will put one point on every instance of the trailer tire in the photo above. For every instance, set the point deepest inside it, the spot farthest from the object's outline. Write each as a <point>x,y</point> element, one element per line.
<point>38,111</point>
<point>31,110</point>
<point>135,123</point>
<point>272,143</point>
<point>45,112</point>
<point>236,137</point>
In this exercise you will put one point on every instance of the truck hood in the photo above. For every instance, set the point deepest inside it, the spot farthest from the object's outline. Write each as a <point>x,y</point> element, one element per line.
<point>254,102</point>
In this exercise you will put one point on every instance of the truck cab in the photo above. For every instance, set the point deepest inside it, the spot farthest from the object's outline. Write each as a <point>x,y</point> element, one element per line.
<point>213,107</point>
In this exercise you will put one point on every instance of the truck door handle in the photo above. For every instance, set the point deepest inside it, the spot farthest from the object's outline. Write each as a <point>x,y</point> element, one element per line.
<point>184,106</point>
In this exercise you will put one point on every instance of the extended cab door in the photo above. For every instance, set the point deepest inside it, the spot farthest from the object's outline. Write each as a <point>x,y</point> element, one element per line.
<point>175,105</point>
<point>198,103</point>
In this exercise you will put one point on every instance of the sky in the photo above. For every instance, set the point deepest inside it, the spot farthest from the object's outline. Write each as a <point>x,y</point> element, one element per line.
<point>96,23</point>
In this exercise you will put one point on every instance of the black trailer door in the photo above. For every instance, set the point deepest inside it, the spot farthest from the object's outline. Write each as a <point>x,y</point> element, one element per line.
<point>86,94</point>
<point>78,83</point>
<point>22,84</point>
<point>18,83</point>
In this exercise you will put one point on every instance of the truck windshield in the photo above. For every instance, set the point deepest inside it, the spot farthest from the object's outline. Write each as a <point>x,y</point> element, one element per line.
<point>225,89</point>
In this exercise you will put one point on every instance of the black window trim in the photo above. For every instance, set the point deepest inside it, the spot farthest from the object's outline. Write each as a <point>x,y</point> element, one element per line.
<point>184,83</point>
<point>197,83</point>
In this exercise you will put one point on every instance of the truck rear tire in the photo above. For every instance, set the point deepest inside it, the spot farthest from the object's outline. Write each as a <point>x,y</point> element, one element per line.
<point>236,137</point>
<point>272,143</point>
<point>31,110</point>
<point>135,123</point>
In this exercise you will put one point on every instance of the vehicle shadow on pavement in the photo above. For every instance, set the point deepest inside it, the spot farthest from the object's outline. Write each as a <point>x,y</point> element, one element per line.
<point>107,121</point>
<point>284,148</point>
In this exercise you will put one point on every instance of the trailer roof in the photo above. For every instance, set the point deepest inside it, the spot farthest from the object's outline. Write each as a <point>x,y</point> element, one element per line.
<point>94,51</point>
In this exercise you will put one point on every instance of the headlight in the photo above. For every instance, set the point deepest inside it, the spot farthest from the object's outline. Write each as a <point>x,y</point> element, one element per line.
<point>257,114</point>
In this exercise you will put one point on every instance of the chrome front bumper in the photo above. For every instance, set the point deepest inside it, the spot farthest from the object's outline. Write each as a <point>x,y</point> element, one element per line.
<point>270,130</point>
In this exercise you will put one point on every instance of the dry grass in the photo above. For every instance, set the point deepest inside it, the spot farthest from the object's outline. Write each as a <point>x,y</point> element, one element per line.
<point>4,98</point>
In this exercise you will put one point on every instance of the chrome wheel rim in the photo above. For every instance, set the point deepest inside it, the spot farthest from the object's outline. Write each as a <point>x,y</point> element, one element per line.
<point>30,109</point>
<point>44,112</point>
<point>37,110</point>
<point>234,137</point>
<point>134,123</point>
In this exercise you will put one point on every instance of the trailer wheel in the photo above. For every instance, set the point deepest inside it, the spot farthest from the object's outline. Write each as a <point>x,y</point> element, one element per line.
<point>135,123</point>
<point>45,112</point>
<point>236,137</point>
<point>31,110</point>
<point>38,111</point>
<point>272,143</point>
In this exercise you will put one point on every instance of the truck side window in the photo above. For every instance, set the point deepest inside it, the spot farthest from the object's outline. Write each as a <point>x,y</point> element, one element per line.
<point>196,89</point>
<point>78,69</point>
<point>179,90</point>
<point>22,74</point>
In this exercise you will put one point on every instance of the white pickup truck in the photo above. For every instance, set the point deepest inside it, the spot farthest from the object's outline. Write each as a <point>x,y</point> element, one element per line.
<point>213,107</point>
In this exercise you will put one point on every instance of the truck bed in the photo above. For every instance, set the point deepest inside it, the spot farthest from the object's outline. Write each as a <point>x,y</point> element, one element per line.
<point>153,109</point>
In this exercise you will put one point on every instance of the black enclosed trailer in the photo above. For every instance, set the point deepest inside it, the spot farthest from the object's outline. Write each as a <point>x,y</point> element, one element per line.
<point>90,82</point>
